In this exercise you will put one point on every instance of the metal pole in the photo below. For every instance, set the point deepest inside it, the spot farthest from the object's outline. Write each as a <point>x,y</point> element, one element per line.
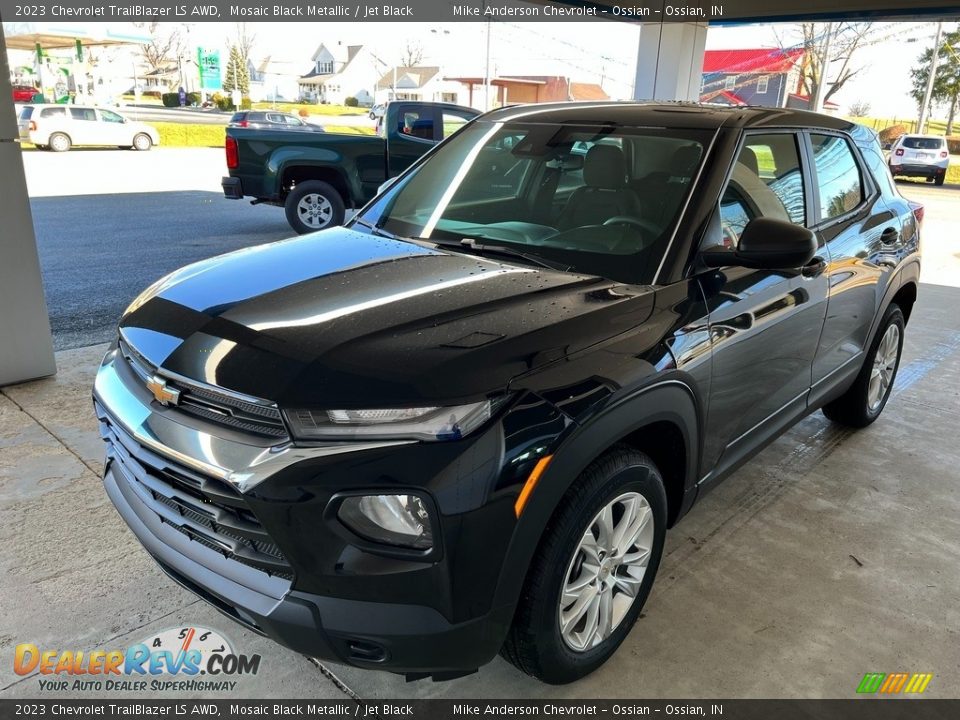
<point>486,73</point>
<point>934,57</point>
<point>824,61</point>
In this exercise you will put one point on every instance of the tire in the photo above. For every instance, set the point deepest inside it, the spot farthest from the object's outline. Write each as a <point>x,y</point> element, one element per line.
<point>313,205</point>
<point>940,179</point>
<point>535,643</point>
<point>863,402</point>
<point>142,142</point>
<point>59,142</point>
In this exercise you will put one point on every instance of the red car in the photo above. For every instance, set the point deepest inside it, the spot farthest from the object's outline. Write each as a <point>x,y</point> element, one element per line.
<point>23,93</point>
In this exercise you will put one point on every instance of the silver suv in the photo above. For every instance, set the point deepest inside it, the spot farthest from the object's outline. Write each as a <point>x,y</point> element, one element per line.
<point>60,127</point>
<point>920,156</point>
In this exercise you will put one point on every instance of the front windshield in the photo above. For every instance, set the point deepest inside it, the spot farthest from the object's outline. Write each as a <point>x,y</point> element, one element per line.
<point>599,200</point>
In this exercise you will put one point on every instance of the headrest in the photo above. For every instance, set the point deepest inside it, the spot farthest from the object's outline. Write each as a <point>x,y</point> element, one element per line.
<point>685,159</point>
<point>604,167</point>
<point>748,158</point>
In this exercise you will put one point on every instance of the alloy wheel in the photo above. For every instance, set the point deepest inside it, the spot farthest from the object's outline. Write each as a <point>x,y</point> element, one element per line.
<point>314,210</point>
<point>884,366</point>
<point>605,572</point>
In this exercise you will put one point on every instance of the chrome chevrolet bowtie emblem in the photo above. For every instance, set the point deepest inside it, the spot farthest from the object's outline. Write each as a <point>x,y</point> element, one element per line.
<point>161,392</point>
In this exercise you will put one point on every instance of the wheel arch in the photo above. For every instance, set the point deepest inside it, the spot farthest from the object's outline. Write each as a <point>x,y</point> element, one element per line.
<point>293,174</point>
<point>660,420</point>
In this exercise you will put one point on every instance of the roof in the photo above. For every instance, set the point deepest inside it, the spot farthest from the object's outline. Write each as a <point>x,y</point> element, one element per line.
<point>759,60</point>
<point>806,99</point>
<point>587,91</point>
<point>277,66</point>
<point>660,114</point>
<point>408,78</point>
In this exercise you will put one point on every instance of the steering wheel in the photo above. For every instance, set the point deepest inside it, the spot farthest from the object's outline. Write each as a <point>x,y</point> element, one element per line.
<point>635,221</point>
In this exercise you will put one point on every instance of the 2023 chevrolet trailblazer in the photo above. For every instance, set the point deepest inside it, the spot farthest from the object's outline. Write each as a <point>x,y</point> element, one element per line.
<point>462,424</point>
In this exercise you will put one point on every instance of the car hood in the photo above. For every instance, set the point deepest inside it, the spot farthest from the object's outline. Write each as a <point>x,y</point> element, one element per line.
<point>342,318</point>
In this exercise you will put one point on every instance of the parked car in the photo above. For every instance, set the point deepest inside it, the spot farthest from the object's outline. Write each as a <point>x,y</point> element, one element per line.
<point>315,179</point>
<point>60,127</point>
<point>462,424</point>
<point>924,156</point>
<point>376,112</point>
<point>272,120</point>
<point>23,93</point>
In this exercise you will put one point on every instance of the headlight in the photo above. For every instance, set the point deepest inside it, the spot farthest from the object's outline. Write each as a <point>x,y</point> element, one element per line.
<point>425,423</point>
<point>400,520</point>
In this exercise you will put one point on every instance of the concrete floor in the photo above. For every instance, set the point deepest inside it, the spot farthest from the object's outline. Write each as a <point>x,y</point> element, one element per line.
<point>832,554</point>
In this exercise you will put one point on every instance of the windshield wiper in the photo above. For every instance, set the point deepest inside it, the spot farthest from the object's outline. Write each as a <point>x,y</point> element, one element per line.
<point>375,229</point>
<point>470,244</point>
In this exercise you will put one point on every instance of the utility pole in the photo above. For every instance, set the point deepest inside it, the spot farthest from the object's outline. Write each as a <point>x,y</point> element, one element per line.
<point>934,57</point>
<point>486,73</point>
<point>824,61</point>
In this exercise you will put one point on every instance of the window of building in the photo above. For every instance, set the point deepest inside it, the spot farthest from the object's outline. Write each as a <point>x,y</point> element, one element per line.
<point>730,83</point>
<point>762,84</point>
<point>324,68</point>
<point>838,175</point>
<point>448,97</point>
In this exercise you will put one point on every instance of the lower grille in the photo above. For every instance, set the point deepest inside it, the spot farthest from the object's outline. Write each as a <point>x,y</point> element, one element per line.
<point>206,510</point>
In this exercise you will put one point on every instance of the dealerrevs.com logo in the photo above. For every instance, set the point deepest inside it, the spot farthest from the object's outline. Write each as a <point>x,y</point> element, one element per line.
<point>177,659</point>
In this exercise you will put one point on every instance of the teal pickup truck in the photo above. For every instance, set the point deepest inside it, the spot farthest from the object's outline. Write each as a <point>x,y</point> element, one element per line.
<point>317,176</point>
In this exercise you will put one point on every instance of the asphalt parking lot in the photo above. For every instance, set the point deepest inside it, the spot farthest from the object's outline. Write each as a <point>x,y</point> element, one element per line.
<point>831,554</point>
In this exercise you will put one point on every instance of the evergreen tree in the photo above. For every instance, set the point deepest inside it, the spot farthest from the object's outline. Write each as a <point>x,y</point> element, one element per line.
<point>237,76</point>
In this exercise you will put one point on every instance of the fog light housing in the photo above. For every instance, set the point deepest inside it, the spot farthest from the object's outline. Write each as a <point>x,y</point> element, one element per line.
<point>398,520</point>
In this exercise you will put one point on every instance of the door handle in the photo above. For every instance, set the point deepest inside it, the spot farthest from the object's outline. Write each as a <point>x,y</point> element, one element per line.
<point>814,268</point>
<point>889,236</point>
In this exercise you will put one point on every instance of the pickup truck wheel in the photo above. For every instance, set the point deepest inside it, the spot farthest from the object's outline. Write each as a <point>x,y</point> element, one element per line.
<point>593,570</point>
<point>864,401</point>
<point>59,142</point>
<point>314,205</point>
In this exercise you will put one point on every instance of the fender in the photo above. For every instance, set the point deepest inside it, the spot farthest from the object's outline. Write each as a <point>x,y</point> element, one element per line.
<point>908,271</point>
<point>671,400</point>
<point>277,166</point>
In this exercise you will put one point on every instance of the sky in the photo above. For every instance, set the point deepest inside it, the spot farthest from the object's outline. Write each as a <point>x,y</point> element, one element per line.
<point>594,51</point>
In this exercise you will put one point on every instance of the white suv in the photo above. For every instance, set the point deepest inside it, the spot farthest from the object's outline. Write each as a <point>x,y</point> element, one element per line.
<point>60,127</point>
<point>920,155</point>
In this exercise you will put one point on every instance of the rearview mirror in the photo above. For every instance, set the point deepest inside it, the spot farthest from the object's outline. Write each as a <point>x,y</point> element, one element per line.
<point>766,243</point>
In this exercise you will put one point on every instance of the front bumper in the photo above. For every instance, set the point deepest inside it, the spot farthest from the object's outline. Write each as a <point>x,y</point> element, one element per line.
<point>371,618</point>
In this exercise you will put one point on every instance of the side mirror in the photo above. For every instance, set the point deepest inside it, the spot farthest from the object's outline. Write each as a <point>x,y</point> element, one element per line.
<point>888,146</point>
<point>766,243</point>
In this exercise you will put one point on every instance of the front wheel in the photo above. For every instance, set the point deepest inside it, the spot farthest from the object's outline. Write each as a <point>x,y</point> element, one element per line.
<point>142,142</point>
<point>864,401</point>
<point>314,205</point>
<point>593,570</point>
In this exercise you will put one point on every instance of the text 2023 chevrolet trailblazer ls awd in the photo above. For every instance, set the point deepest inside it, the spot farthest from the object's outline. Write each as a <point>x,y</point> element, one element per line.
<point>462,424</point>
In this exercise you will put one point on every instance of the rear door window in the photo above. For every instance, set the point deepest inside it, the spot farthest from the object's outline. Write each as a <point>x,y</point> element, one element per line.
<point>88,114</point>
<point>838,175</point>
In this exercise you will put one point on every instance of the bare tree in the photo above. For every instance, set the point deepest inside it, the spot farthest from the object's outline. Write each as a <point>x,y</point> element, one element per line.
<point>244,38</point>
<point>836,67</point>
<point>412,54</point>
<point>860,108</point>
<point>165,45</point>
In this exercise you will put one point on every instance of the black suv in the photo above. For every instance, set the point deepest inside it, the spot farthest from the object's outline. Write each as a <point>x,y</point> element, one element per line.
<point>462,424</point>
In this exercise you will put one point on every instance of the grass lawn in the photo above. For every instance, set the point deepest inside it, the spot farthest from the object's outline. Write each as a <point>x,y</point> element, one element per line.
<point>311,109</point>
<point>934,127</point>
<point>189,135</point>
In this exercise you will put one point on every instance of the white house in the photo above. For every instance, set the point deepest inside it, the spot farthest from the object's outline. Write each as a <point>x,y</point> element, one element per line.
<point>340,71</point>
<point>274,78</point>
<point>423,83</point>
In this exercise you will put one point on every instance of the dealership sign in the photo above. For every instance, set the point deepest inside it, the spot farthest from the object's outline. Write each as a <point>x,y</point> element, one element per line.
<point>209,64</point>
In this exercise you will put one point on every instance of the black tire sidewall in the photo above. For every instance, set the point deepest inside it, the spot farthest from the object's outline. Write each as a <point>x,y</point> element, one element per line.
<point>893,315</point>
<point>560,664</point>
<point>321,188</point>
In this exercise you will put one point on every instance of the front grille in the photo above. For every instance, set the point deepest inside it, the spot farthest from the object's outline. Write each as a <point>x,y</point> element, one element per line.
<point>206,510</point>
<point>248,415</point>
